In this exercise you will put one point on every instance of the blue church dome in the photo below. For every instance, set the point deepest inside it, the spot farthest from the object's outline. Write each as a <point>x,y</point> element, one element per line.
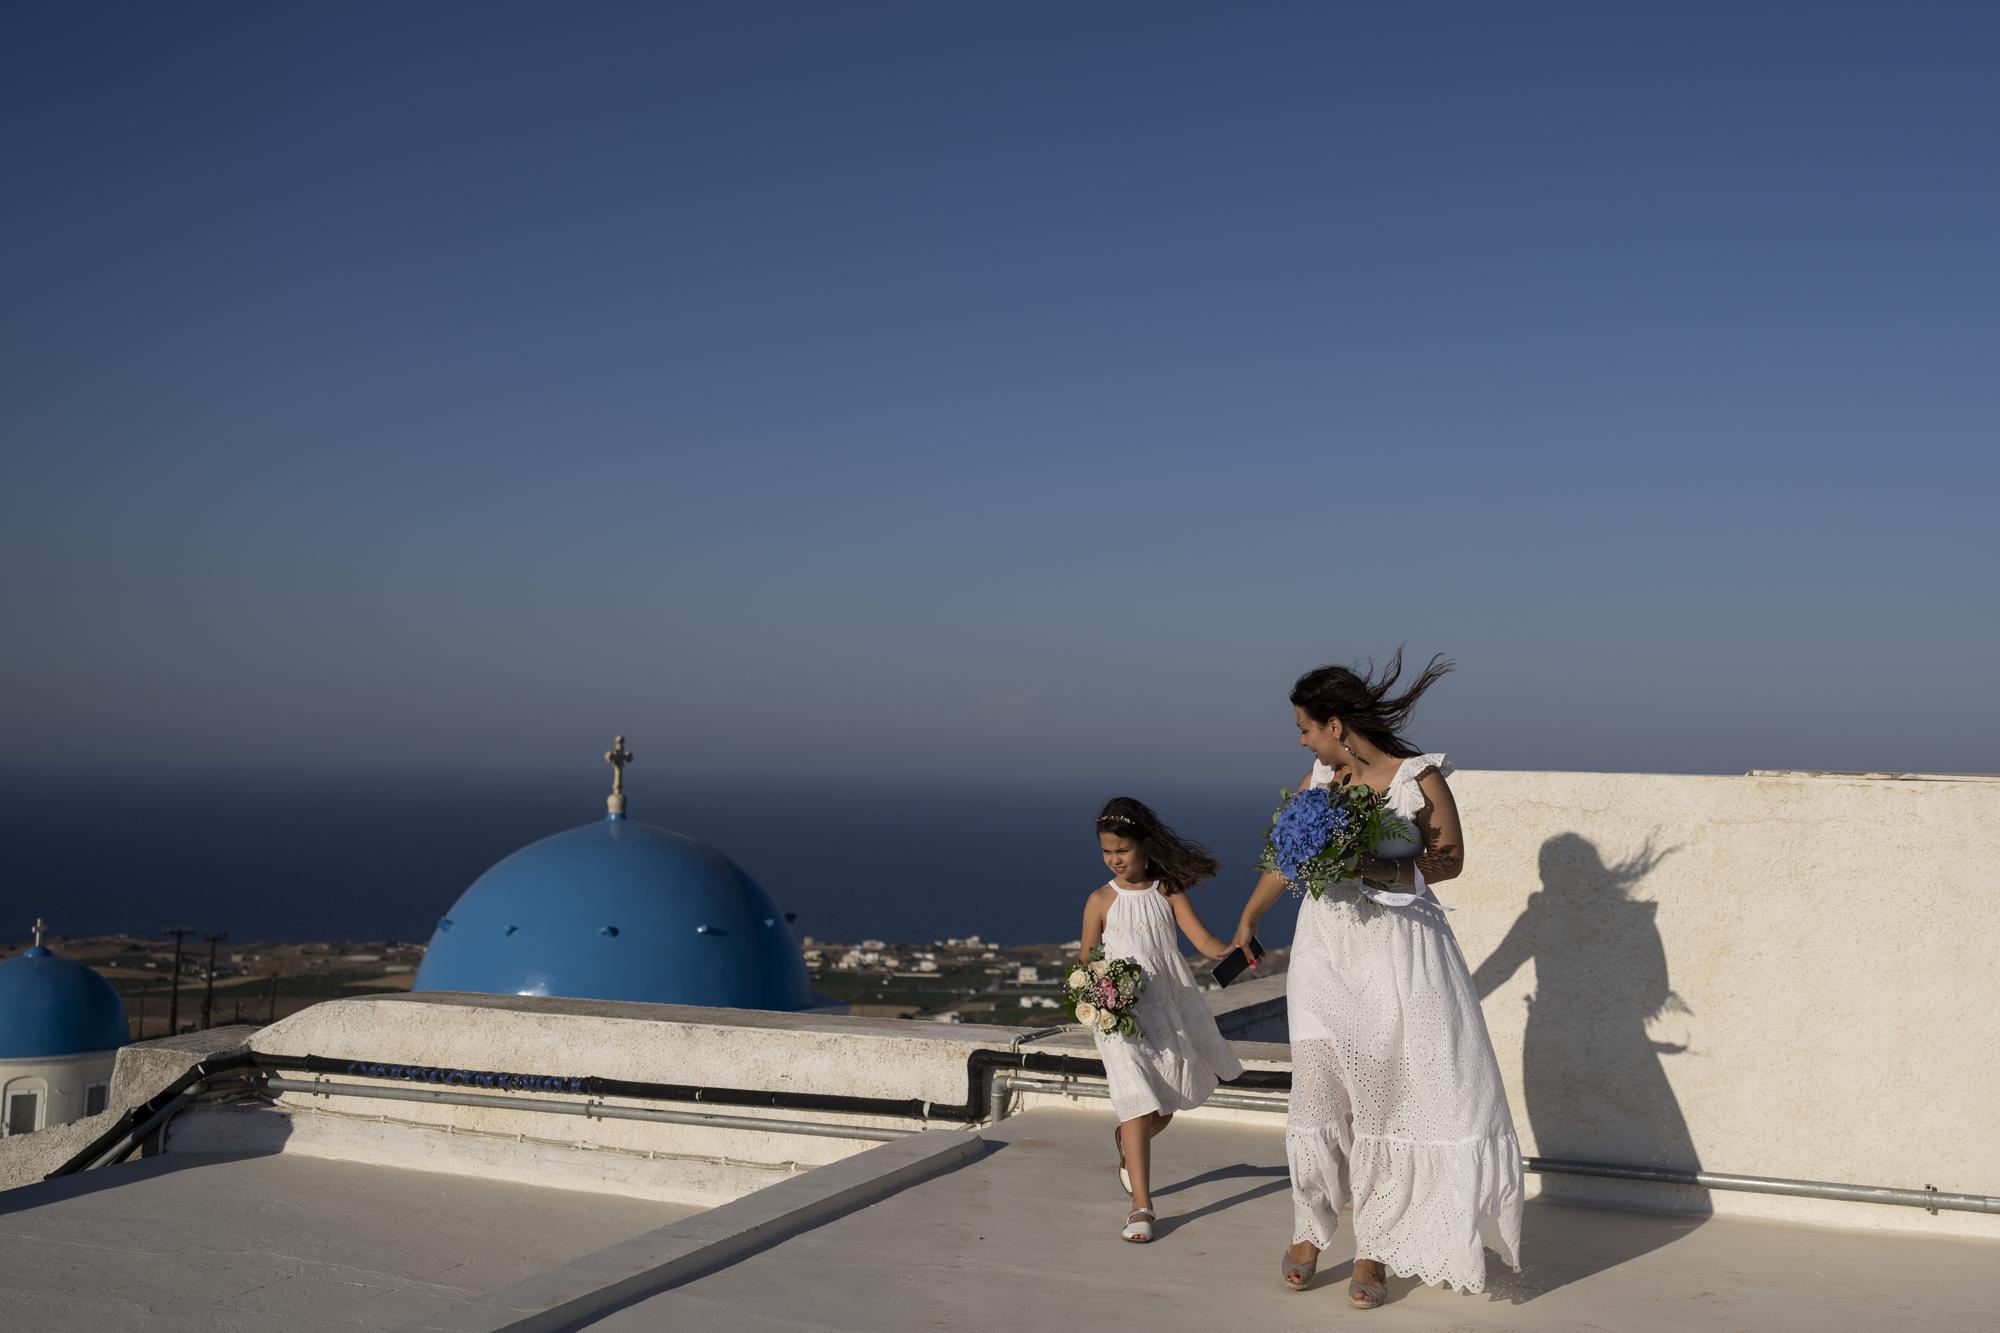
<point>619,910</point>
<point>51,1007</point>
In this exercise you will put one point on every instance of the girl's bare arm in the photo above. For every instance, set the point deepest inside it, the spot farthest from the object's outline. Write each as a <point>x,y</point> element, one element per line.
<point>1093,923</point>
<point>1206,942</point>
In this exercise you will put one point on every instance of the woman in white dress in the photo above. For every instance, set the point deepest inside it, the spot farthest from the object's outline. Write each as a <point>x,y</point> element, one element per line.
<point>1179,1055</point>
<point>1397,1104</point>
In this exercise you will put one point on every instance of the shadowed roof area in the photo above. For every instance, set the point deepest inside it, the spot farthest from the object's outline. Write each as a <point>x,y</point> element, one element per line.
<point>1022,1236</point>
<point>1027,1237</point>
<point>189,1241</point>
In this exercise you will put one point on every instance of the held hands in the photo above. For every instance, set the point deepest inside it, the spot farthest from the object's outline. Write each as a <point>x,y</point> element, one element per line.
<point>1245,932</point>
<point>1379,873</point>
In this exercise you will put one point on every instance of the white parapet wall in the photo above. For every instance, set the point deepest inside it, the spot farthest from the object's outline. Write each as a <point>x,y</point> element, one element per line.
<point>641,1043</point>
<point>141,1070</point>
<point>1778,975</point>
<point>631,1042</point>
<point>1782,974</point>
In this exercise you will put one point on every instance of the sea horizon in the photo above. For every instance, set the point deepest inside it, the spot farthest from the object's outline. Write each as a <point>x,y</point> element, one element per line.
<point>359,853</point>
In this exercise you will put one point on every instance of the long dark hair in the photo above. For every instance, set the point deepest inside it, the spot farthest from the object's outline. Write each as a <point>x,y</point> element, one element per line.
<point>1178,864</point>
<point>1362,700</point>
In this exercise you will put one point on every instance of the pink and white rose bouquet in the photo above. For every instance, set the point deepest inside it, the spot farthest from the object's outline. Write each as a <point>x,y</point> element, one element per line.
<point>1103,994</point>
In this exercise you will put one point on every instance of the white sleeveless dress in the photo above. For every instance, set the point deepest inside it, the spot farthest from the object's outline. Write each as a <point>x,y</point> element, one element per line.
<point>1179,1055</point>
<point>1397,1103</point>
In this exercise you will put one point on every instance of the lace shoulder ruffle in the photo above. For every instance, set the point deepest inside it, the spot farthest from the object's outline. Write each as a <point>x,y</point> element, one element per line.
<point>1406,797</point>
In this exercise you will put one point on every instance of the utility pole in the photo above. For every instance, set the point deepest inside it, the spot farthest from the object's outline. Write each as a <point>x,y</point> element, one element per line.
<point>208,1000</point>
<point>274,998</point>
<point>144,991</point>
<point>174,1005</point>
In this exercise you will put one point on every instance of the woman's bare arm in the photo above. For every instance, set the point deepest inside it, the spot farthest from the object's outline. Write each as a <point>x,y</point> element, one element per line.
<point>1269,888</point>
<point>1443,856</point>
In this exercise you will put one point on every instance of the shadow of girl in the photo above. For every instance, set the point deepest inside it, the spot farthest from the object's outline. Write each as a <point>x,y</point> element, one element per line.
<point>1592,1078</point>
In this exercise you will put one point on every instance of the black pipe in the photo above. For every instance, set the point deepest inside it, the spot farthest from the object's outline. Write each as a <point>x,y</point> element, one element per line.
<point>972,1110</point>
<point>588,1086</point>
<point>145,1110</point>
<point>975,1108</point>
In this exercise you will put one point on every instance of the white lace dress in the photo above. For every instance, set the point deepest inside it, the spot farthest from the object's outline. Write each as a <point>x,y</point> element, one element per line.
<point>1397,1104</point>
<point>1179,1055</point>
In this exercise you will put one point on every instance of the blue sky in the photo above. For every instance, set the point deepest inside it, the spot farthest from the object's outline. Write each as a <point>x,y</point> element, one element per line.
<point>1022,391</point>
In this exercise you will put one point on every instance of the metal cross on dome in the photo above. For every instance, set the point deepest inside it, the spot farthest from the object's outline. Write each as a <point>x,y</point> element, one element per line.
<point>617,756</point>
<point>39,927</point>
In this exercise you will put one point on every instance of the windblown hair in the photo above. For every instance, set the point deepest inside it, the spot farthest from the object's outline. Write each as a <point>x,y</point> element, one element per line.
<point>1178,864</point>
<point>1362,700</point>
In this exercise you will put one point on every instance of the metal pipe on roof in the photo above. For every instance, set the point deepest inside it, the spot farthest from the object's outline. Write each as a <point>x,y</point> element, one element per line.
<point>589,1110</point>
<point>98,1149</point>
<point>1930,1198</point>
<point>988,1080</point>
<point>979,1065</point>
<point>1242,1101</point>
<point>122,1149</point>
<point>1927,1197</point>
<point>155,1122</point>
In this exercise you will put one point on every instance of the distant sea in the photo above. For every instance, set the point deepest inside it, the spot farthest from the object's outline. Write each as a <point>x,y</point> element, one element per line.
<point>362,856</point>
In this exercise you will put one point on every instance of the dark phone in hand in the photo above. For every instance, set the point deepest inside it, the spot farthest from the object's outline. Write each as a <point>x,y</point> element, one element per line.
<point>1232,967</point>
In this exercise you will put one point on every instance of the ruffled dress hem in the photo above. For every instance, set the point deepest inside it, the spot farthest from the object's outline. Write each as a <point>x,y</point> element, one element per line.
<point>1424,1210</point>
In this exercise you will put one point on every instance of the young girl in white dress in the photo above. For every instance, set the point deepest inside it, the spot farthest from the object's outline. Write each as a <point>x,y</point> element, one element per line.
<point>1397,1103</point>
<point>1179,1055</point>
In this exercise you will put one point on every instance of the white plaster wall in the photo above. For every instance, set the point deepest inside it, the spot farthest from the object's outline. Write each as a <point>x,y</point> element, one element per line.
<point>141,1069</point>
<point>642,1042</point>
<point>739,1048</point>
<point>654,1043</point>
<point>62,1081</point>
<point>1780,975</point>
<point>1774,975</point>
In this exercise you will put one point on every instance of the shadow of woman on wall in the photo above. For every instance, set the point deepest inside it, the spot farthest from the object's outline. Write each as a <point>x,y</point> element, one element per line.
<point>1592,1077</point>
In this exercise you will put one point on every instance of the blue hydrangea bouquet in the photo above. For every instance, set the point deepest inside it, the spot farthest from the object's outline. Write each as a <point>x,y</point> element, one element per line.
<point>1318,836</point>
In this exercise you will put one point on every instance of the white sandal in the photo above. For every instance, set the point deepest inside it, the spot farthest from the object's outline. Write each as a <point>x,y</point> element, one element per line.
<point>1137,1229</point>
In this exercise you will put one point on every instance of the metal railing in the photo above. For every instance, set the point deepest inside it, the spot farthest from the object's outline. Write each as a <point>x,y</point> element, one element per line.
<point>1929,1197</point>
<point>990,1076</point>
<point>592,1110</point>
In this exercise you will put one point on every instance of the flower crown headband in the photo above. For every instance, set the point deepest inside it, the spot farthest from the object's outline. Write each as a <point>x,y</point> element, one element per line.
<point>1116,819</point>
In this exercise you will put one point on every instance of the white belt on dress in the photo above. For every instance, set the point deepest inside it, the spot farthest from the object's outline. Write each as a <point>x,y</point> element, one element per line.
<point>1392,898</point>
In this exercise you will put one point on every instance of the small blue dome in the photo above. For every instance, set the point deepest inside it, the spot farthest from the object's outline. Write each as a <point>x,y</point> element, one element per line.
<point>619,911</point>
<point>51,1006</point>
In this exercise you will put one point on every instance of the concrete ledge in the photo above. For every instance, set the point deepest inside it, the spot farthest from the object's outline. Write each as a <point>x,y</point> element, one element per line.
<point>597,1283</point>
<point>739,1048</point>
<point>1253,1009</point>
<point>142,1069</point>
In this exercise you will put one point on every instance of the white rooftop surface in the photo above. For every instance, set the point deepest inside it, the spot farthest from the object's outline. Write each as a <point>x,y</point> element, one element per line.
<point>1027,1237</point>
<point>193,1241</point>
